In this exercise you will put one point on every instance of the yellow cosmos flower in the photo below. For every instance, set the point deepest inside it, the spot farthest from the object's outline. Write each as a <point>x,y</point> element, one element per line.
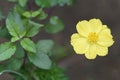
<point>93,38</point>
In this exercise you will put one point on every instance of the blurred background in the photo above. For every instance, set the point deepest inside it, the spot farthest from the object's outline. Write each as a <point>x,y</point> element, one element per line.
<point>77,66</point>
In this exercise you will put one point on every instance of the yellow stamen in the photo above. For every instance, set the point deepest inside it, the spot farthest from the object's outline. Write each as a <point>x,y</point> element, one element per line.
<point>92,37</point>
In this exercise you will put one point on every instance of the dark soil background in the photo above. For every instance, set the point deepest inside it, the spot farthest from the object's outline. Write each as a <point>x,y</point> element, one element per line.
<point>78,67</point>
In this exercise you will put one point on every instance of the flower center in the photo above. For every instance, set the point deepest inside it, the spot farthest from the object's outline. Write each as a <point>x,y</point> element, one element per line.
<point>92,37</point>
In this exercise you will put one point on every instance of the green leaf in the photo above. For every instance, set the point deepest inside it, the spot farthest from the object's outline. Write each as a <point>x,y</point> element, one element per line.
<point>32,14</point>
<point>45,46</point>
<point>27,14</point>
<point>22,2</point>
<point>55,73</point>
<point>13,64</point>
<point>63,2</point>
<point>12,27</point>
<point>4,32</point>
<point>19,9</point>
<point>36,13</point>
<point>14,38</point>
<point>1,68</point>
<point>54,25</point>
<point>15,26</point>
<point>46,3</point>
<point>28,45</point>
<point>40,60</point>
<point>33,28</point>
<point>17,19</point>
<point>59,52</point>
<point>42,15</point>
<point>6,50</point>
<point>19,51</point>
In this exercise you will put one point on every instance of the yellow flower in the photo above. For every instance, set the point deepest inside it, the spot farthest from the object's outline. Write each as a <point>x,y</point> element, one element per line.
<point>93,38</point>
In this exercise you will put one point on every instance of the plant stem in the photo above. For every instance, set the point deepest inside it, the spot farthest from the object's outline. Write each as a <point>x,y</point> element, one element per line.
<point>24,58</point>
<point>14,72</point>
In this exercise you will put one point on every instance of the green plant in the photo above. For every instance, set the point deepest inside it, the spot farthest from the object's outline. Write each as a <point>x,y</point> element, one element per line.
<point>21,55</point>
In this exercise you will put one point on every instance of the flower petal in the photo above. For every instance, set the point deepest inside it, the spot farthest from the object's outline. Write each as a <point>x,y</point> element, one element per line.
<point>75,36</point>
<point>96,25</point>
<point>91,53</point>
<point>83,28</point>
<point>79,44</point>
<point>105,38</point>
<point>102,51</point>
